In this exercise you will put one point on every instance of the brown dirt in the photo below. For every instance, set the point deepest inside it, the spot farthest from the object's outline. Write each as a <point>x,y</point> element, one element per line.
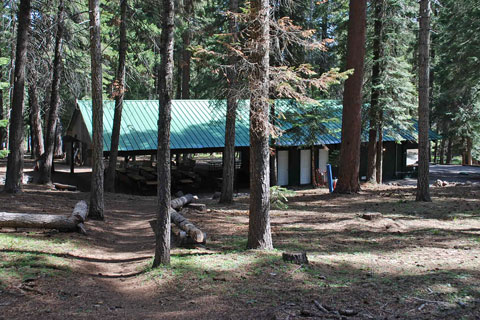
<point>419,261</point>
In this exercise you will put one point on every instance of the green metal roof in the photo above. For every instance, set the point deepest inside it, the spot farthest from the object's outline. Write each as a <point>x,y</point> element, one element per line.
<point>200,124</point>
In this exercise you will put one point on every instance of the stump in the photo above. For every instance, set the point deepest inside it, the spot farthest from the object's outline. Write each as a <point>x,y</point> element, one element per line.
<point>295,257</point>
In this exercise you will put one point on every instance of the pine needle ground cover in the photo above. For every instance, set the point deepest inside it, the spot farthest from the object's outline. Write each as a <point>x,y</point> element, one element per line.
<point>416,261</point>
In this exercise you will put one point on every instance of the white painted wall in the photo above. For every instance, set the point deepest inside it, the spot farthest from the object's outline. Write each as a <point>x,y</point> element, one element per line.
<point>282,168</point>
<point>305,167</point>
<point>322,160</point>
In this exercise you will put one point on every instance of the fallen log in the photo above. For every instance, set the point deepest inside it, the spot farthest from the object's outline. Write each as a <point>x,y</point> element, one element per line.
<point>184,225</point>
<point>61,186</point>
<point>199,207</point>
<point>180,221</point>
<point>74,222</point>
<point>180,202</point>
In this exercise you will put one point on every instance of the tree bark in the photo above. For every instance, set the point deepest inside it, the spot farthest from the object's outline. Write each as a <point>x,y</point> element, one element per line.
<point>374,103</point>
<point>58,150</point>
<point>228,173</point>
<point>259,233</point>
<point>96,190</point>
<point>46,221</point>
<point>423,187</point>
<point>13,182</point>
<point>2,130</point>
<point>46,164</point>
<point>379,160</point>
<point>186,54</point>
<point>119,94</point>
<point>348,178</point>
<point>36,123</point>
<point>162,236</point>
<point>449,150</point>
<point>469,151</point>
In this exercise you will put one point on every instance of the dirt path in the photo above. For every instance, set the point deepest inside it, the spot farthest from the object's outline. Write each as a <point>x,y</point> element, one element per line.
<point>418,261</point>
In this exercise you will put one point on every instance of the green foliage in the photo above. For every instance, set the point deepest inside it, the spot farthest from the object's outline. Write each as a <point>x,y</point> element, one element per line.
<point>278,197</point>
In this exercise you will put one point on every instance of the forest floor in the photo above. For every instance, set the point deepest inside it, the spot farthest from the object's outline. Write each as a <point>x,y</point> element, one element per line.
<point>418,261</point>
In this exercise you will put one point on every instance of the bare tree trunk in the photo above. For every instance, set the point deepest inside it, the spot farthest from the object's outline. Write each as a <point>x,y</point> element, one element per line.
<point>46,164</point>
<point>228,173</point>
<point>186,54</point>
<point>13,182</point>
<point>2,130</point>
<point>58,151</point>
<point>442,143</point>
<point>259,233</point>
<point>469,151</point>
<point>374,104</point>
<point>96,190</point>
<point>449,150</point>
<point>379,163</point>
<point>273,151</point>
<point>423,187</point>
<point>162,236</point>
<point>119,94</point>
<point>348,178</point>
<point>36,123</point>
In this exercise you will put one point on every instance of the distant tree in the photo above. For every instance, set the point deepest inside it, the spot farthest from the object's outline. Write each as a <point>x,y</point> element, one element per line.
<point>35,117</point>
<point>96,190</point>
<point>162,234</point>
<point>374,103</point>
<point>259,232</point>
<point>348,180</point>
<point>13,182</point>
<point>228,173</point>
<point>47,162</point>
<point>423,186</point>
<point>119,93</point>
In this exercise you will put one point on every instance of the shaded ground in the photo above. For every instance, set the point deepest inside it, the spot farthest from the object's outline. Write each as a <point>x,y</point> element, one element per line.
<point>419,261</point>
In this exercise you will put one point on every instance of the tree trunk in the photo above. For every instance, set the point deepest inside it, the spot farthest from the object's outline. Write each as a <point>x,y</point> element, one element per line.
<point>228,173</point>
<point>46,164</point>
<point>162,236</point>
<point>469,151</point>
<point>119,94</point>
<point>348,178</point>
<point>36,123</point>
<point>46,221</point>
<point>259,233</point>
<point>13,182</point>
<point>273,150</point>
<point>2,130</point>
<point>379,162</point>
<point>442,149</point>
<point>96,190</point>
<point>374,103</point>
<point>423,187</point>
<point>312,167</point>
<point>58,151</point>
<point>186,54</point>
<point>449,150</point>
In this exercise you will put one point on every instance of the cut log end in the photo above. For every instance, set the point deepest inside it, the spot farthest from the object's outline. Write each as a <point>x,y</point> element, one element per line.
<point>295,257</point>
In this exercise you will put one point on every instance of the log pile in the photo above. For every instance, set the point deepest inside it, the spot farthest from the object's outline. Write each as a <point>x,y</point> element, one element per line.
<point>74,222</point>
<point>184,232</point>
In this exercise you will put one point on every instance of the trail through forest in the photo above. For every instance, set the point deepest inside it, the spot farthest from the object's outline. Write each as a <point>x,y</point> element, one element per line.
<point>417,261</point>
